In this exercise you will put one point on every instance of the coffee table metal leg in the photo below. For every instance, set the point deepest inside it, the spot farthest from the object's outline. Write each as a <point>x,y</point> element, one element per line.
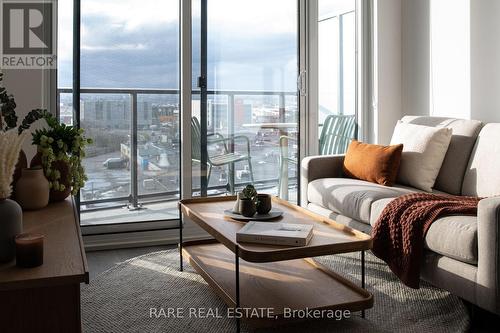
<point>180,237</point>
<point>363,277</point>
<point>237,270</point>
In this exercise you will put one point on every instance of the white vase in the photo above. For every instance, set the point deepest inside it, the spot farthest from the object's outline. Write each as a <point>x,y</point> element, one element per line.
<point>236,207</point>
<point>10,226</point>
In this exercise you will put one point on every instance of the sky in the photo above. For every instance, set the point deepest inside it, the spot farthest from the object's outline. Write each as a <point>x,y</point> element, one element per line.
<point>134,44</point>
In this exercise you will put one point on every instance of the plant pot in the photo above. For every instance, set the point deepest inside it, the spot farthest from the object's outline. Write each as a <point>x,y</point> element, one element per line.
<point>247,207</point>
<point>10,226</point>
<point>263,203</point>
<point>32,190</point>
<point>63,168</point>
<point>36,160</point>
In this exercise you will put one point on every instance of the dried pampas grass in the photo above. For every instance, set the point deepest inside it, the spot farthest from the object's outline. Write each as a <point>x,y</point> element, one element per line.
<point>10,146</point>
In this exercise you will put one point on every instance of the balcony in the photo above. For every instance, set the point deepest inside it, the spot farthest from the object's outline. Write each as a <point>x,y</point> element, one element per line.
<point>134,165</point>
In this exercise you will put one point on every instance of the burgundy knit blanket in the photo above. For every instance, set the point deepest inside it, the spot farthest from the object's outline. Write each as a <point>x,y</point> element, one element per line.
<point>398,235</point>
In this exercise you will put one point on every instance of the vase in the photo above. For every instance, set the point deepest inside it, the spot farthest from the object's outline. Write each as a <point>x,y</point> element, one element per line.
<point>63,168</point>
<point>32,189</point>
<point>36,160</point>
<point>236,207</point>
<point>263,203</point>
<point>247,207</point>
<point>10,226</point>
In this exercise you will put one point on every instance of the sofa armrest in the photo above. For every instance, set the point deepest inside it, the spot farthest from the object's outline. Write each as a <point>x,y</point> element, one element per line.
<point>488,270</point>
<point>316,167</point>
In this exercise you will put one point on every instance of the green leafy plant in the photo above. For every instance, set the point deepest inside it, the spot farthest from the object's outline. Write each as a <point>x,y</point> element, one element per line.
<point>8,112</point>
<point>7,109</point>
<point>31,117</point>
<point>60,142</point>
<point>250,192</point>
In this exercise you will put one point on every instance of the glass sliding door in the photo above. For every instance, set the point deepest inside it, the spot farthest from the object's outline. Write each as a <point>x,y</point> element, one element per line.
<point>129,105</point>
<point>245,60</point>
<point>336,74</point>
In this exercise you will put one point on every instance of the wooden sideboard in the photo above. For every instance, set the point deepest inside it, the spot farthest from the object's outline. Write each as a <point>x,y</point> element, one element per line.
<point>47,298</point>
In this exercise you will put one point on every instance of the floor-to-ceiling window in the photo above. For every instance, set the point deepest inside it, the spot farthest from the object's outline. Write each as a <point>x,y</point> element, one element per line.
<point>129,105</point>
<point>336,74</point>
<point>244,73</point>
<point>248,61</point>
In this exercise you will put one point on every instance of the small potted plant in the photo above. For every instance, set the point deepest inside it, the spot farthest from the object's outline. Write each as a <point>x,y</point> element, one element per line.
<point>248,201</point>
<point>60,152</point>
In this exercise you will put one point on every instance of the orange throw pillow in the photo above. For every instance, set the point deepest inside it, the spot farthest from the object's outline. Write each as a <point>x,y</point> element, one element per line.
<point>373,163</point>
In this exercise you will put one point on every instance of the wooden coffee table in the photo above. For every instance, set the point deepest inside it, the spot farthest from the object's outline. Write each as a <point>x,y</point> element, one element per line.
<point>256,276</point>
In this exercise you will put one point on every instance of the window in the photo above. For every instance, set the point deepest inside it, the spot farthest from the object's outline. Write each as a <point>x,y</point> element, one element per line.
<point>336,74</point>
<point>251,65</point>
<point>129,67</point>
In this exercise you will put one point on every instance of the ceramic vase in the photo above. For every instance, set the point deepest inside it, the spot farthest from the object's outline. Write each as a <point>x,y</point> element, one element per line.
<point>63,168</point>
<point>11,225</point>
<point>236,207</point>
<point>247,207</point>
<point>263,203</point>
<point>32,189</point>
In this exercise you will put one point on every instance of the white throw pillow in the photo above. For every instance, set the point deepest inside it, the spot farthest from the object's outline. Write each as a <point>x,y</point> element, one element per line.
<point>424,149</point>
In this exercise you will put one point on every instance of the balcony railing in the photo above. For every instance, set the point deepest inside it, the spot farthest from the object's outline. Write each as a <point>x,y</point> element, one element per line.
<point>134,199</point>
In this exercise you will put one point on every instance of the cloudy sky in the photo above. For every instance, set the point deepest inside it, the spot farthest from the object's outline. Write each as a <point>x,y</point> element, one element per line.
<point>134,44</point>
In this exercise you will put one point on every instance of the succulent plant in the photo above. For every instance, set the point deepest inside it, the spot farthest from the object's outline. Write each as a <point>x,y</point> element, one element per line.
<point>250,192</point>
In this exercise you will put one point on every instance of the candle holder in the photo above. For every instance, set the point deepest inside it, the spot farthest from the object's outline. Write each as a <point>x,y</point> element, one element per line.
<point>29,250</point>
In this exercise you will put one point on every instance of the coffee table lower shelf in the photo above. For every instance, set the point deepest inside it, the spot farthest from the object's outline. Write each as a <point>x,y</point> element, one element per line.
<point>281,286</point>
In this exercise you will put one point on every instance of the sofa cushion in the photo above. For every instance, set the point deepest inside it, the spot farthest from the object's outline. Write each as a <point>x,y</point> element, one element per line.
<point>351,197</point>
<point>451,236</point>
<point>424,149</point>
<point>350,222</point>
<point>454,237</point>
<point>455,162</point>
<point>482,177</point>
<point>373,163</point>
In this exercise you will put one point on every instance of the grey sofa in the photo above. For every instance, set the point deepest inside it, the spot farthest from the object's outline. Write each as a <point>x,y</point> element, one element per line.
<point>462,252</point>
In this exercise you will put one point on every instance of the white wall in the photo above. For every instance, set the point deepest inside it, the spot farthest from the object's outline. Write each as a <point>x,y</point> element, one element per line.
<point>415,60</point>
<point>450,58</point>
<point>387,72</point>
<point>449,38</point>
<point>485,60</point>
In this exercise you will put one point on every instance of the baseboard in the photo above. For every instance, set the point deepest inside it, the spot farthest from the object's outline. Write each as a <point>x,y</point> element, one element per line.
<point>143,239</point>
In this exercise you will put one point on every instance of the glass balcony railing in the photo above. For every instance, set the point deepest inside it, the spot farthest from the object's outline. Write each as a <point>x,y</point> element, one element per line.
<point>135,158</point>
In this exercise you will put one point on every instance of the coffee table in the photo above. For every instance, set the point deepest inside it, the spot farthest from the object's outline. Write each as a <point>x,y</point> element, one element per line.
<point>256,276</point>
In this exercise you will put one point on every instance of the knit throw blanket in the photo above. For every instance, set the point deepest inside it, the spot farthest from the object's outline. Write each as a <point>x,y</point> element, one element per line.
<point>398,235</point>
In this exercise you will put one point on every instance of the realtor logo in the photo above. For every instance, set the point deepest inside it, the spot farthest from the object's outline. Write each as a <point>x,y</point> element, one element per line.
<point>28,34</point>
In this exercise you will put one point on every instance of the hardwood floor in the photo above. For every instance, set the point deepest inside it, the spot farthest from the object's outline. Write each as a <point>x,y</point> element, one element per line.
<point>100,261</point>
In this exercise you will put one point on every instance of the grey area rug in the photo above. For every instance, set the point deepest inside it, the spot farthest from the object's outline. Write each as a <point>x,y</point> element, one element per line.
<point>119,300</point>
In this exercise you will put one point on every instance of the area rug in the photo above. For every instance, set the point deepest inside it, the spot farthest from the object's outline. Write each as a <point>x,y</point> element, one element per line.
<point>131,296</point>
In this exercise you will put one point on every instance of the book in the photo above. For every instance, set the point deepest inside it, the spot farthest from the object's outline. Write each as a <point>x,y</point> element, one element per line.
<point>287,234</point>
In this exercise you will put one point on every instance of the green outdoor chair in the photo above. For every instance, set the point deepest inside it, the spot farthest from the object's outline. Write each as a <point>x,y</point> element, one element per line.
<point>336,134</point>
<point>228,157</point>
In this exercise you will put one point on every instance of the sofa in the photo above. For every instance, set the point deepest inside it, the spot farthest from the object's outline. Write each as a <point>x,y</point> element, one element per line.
<point>462,253</point>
